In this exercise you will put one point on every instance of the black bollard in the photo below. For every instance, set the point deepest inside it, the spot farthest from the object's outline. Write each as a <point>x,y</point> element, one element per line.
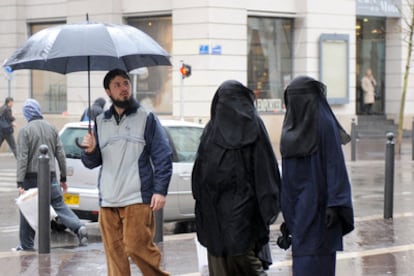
<point>43,184</point>
<point>159,226</point>
<point>353,140</point>
<point>389,176</point>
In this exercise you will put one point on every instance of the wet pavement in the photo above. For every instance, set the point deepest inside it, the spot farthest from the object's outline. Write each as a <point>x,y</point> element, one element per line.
<point>377,246</point>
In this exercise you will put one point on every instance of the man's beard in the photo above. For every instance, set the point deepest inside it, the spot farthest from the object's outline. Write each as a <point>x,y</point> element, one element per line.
<point>122,104</point>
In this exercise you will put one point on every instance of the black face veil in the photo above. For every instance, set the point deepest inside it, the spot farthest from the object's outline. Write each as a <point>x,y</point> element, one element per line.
<point>303,98</point>
<point>233,116</point>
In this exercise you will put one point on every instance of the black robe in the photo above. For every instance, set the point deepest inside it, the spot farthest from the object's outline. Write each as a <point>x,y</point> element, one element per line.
<point>235,180</point>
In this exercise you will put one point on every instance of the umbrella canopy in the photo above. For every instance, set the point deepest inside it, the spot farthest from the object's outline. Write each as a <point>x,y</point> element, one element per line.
<point>88,46</point>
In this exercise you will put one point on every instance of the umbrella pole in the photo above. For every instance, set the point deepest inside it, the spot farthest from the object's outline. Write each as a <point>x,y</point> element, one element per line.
<point>89,95</point>
<point>89,106</point>
<point>89,87</point>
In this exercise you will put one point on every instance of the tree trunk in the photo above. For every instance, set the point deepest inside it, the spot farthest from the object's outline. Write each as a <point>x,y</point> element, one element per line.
<point>405,84</point>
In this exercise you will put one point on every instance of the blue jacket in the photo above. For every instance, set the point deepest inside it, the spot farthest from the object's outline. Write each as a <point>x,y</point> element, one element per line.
<point>134,154</point>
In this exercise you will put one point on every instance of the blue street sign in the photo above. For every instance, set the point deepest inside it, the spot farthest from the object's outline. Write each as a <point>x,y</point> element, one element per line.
<point>203,49</point>
<point>8,69</point>
<point>216,50</point>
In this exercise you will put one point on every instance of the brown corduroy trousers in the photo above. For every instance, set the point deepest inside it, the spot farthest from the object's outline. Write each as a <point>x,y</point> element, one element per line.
<point>128,232</point>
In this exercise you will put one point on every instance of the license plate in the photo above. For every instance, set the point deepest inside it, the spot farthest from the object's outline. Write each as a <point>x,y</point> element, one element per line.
<point>71,199</point>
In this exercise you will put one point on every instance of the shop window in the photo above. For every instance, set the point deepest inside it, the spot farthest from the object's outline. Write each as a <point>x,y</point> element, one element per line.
<point>48,88</point>
<point>269,60</point>
<point>153,85</point>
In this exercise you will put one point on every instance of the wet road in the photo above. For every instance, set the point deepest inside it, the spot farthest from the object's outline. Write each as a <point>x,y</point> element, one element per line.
<point>377,246</point>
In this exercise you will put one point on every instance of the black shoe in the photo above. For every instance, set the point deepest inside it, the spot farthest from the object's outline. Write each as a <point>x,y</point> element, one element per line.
<point>82,234</point>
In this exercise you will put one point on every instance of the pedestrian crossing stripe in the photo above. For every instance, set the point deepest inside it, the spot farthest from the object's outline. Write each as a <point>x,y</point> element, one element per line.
<point>8,170</point>
<point>8,180</point>
<point>10,174</point>
<point>7,190</point>
<point>9,229</point>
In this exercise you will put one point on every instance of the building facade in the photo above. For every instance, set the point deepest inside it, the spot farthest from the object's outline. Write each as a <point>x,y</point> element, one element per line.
<point>262,43</point>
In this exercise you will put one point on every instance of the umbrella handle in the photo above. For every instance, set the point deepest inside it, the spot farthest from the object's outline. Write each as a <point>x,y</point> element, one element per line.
<point>78,143</point>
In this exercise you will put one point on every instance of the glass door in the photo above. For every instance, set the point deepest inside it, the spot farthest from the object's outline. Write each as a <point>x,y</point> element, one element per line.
<point>370,54</point>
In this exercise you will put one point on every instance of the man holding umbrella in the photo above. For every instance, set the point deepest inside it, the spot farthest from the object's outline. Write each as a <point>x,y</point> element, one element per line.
<point>133,150</point>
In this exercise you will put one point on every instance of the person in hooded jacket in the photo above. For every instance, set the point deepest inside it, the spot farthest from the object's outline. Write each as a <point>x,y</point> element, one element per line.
<point>96,108</point>
<point>35,133</point>
<point>315,194</point>
<point>235,184</point>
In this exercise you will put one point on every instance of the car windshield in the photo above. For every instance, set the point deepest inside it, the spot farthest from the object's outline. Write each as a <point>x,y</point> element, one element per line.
<point>68,139</point>
<point>185,141</point>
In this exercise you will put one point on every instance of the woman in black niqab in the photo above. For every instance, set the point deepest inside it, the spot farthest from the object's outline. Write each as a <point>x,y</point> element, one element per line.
<point>235,183</point>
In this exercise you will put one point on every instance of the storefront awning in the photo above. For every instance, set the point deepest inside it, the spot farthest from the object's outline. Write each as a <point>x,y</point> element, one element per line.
<point>381,8</point>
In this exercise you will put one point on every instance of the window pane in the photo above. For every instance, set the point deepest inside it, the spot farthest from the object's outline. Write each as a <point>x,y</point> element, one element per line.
<point>68,140</point>
<point>185,141</point>
<point>153,85</point>
<point>48,88</point>
<point>269,60</point>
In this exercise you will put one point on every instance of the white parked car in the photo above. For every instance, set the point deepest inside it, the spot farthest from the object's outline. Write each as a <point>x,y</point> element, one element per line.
<point>82,194</point>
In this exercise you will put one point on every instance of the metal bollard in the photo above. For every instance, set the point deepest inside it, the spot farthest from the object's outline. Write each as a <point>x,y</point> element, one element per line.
<point>43,183</point>
<point>389,176</point>
<point>159,226</point>
<point>353,140</point>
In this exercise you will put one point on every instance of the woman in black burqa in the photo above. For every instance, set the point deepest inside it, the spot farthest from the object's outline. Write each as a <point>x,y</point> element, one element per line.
<point>235,184</point>
<point>316,193</point>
